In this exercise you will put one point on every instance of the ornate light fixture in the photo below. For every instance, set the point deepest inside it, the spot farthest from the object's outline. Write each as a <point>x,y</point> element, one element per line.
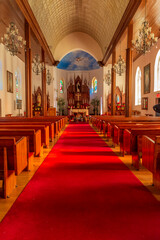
<point>38,67</point>
<point>108,78</point>
<point>48,77</point>
<point>145,39</point>
<point>12,40</point>
<point>120,66</point>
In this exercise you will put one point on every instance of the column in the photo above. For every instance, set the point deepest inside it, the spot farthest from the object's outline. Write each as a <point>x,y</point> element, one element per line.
<point>28,71</point>
<point>128,82</point>
<point>44,96</point>
<point>113,84</point>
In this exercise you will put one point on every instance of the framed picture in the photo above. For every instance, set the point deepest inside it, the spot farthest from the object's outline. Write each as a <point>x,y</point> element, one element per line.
<point>147,79</point>
<point>19,104</point>
<point>9,82</point>
<point>144,103</point>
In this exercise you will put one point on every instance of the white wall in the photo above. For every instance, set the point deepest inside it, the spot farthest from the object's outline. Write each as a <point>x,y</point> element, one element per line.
<point>11,64</point>
<point>88,75</point>
<point>142,62</point>
<point>120,82</point>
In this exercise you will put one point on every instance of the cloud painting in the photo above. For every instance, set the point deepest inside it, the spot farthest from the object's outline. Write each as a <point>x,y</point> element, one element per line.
<point>78,61</point>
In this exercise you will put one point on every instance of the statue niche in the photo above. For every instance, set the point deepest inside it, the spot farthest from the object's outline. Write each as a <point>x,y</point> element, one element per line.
<point>37,102</point>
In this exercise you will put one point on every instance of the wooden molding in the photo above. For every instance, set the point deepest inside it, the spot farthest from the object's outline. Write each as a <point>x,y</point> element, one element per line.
<point>29,16</point>
<point>113,84</point>
<point>126,19</point>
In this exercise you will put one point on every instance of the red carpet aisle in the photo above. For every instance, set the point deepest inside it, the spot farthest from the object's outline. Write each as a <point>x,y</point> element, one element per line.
<point>83,191</point>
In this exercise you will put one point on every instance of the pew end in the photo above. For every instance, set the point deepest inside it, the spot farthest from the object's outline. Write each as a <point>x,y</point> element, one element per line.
<point>6,175</point>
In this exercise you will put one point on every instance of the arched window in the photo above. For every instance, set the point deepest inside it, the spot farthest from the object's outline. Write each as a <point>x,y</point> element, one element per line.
<point>138,87</point>
<point>61,86</point>
<point>18,82</point>
<point>94,85</point>
<point>157,72</point>
<point>1,82</point>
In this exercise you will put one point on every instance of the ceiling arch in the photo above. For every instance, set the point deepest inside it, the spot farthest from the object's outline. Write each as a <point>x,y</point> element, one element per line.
<point>59,18</point>
<point>78,41</point>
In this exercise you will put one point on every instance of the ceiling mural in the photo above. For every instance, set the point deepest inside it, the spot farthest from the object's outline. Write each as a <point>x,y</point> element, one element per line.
<point>78,61</point>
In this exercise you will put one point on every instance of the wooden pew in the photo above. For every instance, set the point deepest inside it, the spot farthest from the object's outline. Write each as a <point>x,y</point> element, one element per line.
<point>130,137</point>
<point>151,157</point>
<point>31,123</point>
<point>7,175</point>
<point>54,120</point>
<point>118,129</point>
<point>132,140</point>
<point>44,131</point>
<point>101,122</point>
<point>17,152</point>
<point>57,121</point>
<point>34,138</point>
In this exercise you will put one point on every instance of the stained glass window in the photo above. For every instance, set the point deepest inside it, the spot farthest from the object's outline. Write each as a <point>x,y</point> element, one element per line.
<point>18,82</point>
<point>138,87</point>
<point>94,85</point>
<point>61,86</point>
<point>157,72</point>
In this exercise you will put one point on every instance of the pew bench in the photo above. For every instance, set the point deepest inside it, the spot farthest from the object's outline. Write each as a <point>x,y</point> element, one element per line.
<point>17,152</point>
<point>151,157</point>
<point>32,123</point>
<point>7,174</point>
<point>118,130</point>
<point>44,131</point>
<point>132,140</point>
<point>33,136</point>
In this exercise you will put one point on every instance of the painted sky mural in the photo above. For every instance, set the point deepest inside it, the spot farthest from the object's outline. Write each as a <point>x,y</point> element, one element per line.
<point>78,61</point>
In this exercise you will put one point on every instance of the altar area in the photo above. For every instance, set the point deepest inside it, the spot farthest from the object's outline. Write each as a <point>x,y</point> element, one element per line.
<point>72,111</point>
<point>78,99</point>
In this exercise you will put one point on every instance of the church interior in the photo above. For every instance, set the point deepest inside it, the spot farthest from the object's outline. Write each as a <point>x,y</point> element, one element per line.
<point>79,119</point>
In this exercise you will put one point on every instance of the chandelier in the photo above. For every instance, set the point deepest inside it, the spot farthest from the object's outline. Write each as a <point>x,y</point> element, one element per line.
<point>108,78</point>
<point>120,66</point>
<point>48,77</point>
<point>145,39</point>
<point>37,67</point>
<point>12,41</point>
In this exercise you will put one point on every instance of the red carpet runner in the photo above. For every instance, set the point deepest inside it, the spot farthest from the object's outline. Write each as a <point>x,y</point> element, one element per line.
<point>82,191</point>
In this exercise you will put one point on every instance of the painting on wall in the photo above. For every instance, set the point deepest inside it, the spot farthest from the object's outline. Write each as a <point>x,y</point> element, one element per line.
<point>147,79</point>
<point>78,61</point>
<point>9,82</point>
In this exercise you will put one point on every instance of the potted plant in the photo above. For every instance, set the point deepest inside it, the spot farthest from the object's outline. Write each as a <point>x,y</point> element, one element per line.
<point>95,103</point>
<point>61,104</point>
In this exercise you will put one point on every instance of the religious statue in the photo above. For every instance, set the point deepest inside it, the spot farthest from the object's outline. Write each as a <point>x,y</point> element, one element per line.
<point>39,99</point>
<point>78,87</point>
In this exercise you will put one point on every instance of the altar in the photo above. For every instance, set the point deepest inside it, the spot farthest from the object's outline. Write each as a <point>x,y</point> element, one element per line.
<point>82,111</point>
<point>78,98</point>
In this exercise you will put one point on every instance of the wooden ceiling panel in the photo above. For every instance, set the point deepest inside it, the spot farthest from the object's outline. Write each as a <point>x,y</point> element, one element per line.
<point>152,16</point>
<point>97,18</point>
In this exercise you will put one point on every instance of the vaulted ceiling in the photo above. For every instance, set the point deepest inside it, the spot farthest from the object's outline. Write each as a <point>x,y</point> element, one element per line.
<point>97,18</point>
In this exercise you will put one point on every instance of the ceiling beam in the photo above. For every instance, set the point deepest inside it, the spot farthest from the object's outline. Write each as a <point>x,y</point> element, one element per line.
<point>29,16</point>
<point>126,19</point>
